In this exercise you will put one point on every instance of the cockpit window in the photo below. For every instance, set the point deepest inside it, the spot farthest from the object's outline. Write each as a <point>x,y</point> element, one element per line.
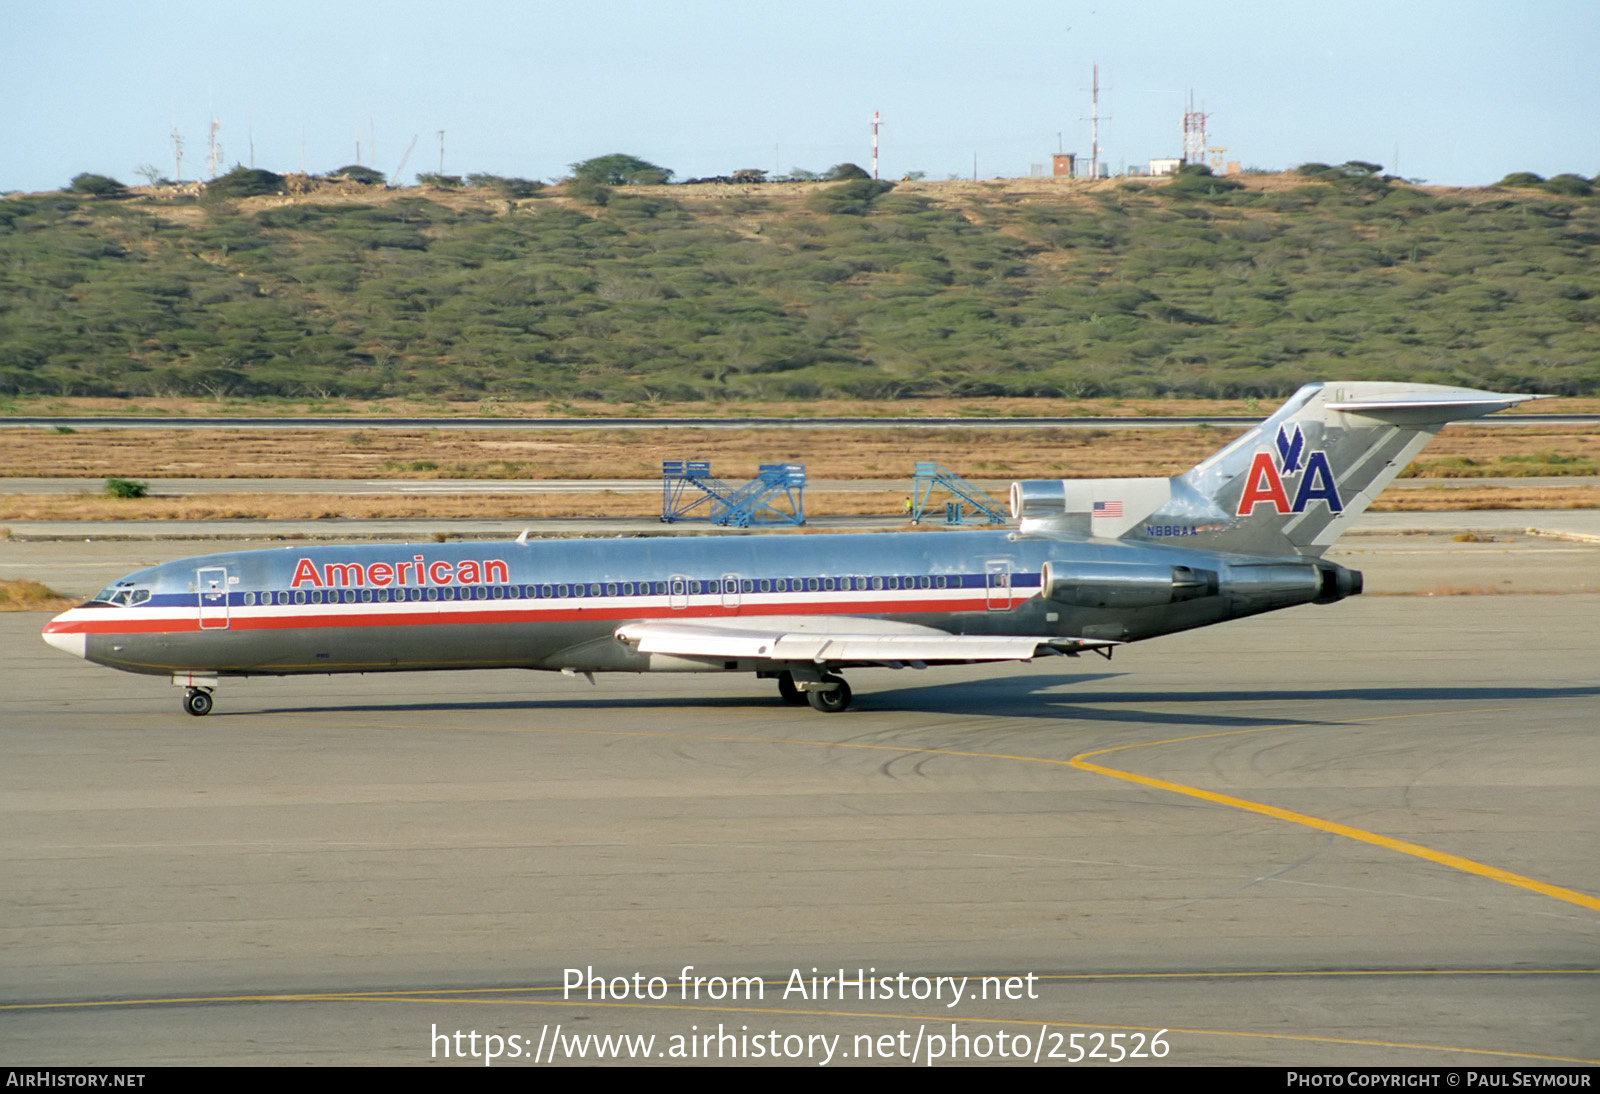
<point>121,595</point>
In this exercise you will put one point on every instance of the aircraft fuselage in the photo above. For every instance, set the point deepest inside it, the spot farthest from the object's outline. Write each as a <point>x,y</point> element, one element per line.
<point>558,604</point>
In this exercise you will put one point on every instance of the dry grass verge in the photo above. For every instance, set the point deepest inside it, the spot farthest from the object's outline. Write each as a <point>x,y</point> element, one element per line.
<point>977,451</point>
<point>475,506</point>
<point>601,504</point>
<point>30,596</point>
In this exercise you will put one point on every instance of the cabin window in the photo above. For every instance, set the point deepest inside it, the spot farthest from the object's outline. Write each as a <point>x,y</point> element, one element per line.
<point>939,581</point>
<point>611,590</point>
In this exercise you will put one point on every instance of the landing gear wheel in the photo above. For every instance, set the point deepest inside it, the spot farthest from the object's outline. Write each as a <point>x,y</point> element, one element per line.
<point>197,701</point>
<point>791,694</point>
<point>832,700</point>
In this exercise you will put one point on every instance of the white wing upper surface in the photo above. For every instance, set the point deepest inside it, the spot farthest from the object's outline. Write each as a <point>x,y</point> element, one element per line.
<point>838,639</point>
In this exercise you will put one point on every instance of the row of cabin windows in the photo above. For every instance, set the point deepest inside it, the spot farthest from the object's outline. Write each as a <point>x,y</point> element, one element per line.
<point>675,587</point>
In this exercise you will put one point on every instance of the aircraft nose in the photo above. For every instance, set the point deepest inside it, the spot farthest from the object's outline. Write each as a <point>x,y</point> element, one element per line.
<point>62,634</point>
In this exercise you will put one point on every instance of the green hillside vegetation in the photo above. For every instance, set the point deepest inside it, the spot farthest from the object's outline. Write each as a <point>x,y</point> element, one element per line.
<point>857,289</point>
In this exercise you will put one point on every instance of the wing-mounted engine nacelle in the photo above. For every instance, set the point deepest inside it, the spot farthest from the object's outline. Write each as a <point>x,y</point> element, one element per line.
<point>1125,584</point>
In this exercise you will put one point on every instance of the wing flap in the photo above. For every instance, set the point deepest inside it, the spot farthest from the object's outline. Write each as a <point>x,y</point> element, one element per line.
<point>777,643</point>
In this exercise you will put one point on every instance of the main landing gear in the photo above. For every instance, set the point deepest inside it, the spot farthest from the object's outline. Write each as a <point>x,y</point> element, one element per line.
<point>829,700</point>
<point>197,701</point>
<point>827,693</point>
<point>789,690</point>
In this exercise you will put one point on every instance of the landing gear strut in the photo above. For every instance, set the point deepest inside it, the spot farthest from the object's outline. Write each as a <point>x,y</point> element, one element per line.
<point>197,701</point>
<point>829,699</point>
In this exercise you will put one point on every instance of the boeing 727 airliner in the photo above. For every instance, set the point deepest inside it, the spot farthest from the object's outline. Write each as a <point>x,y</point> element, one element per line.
<point>1091,564</point>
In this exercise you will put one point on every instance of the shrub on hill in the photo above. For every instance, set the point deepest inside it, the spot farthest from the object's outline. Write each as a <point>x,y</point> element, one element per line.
<point>844,172</point>
<point>357,173</point>
<point>620,169</point>
<point>505,187</point>
<point>242,182</point>
<point>1568,185</point>
<point>851,198</point>
<point>97,186</point>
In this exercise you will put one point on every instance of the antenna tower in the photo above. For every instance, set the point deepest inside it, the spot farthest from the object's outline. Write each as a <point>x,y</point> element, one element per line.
<point>1094,123</point>
<point>1094,138</point>
<point>1194,134</point>
<point>214,150</point>
<point>177,155</point>
<point>874,144</point>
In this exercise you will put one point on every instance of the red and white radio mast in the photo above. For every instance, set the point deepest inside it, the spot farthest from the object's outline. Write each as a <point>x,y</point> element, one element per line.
<point>1194,134</point>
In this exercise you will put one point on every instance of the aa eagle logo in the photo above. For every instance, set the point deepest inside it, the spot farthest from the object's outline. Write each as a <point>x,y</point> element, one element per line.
<point>1267,481</point>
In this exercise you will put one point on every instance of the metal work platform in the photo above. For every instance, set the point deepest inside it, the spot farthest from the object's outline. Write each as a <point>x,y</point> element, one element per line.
<point>690,492</point>
<point>966,505</point>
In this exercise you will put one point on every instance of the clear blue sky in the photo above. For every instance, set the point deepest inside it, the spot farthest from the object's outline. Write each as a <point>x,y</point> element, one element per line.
<point>1450,91</point>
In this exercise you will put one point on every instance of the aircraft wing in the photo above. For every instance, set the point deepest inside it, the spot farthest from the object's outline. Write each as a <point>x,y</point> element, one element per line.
<point>834,639</point>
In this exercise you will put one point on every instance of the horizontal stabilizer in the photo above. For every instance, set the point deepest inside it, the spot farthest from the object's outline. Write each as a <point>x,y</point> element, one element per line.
<point>1444,405</point>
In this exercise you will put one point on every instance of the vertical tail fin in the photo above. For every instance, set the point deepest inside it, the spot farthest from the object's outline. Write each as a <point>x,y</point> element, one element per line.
<point>1290,486</point>
<point>1295,482</point>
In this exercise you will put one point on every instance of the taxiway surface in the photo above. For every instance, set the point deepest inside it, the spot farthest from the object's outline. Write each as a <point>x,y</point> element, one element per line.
<point>1356,834</point>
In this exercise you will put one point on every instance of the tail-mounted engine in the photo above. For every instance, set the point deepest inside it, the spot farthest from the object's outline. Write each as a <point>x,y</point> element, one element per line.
<point>1124,584</point>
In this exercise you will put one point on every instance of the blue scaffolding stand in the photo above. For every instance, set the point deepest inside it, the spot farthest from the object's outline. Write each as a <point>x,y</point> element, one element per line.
<point>969,505</point>
<point>690,492</point>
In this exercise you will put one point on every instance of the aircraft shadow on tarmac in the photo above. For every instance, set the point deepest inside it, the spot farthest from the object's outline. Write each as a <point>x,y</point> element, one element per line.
<point>1007,697</point>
